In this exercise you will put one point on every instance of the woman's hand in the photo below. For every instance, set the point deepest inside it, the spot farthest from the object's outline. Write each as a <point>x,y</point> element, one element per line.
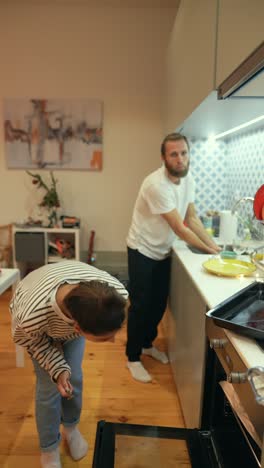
<point>64,386</point>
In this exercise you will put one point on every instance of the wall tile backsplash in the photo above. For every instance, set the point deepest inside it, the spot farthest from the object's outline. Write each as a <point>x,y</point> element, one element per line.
<point>225,171</point>
<point>246,164</point>
<point>209,169</point>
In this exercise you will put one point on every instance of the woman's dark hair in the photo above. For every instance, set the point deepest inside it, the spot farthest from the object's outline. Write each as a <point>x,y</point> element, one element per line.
<point>173,137</point>
<point>97,307</point>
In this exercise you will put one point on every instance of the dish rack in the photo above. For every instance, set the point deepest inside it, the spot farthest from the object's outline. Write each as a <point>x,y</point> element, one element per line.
<point>257,257</point>
<point>259,229</point>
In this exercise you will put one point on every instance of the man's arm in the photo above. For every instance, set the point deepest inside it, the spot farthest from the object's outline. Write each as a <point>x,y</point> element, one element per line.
<point>187,234</point>
<point>195,224</point>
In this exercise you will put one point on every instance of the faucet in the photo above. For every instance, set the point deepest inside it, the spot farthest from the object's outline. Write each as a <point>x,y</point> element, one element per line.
<point>241,200</point>
<point>255,227</point>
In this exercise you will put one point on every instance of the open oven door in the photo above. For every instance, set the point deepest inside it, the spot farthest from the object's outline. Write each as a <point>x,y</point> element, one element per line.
<point>120,445</point>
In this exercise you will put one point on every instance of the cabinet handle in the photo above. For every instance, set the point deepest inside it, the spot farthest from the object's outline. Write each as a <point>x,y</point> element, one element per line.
<point>256,375</point>
<point>237,377</point>
<point>217,343</point>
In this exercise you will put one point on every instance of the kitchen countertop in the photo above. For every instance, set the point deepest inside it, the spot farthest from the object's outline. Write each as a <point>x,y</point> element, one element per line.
<point>215,289</point>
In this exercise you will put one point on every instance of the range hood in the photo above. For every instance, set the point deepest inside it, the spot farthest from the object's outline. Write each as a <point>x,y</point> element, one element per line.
<point>238,100</point>
<point>247,80</point>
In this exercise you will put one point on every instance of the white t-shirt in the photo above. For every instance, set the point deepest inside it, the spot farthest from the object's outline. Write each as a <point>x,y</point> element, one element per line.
<point>149,233</point>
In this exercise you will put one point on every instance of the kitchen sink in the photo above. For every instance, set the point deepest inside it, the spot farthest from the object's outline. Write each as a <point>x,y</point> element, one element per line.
<point>195,250</point>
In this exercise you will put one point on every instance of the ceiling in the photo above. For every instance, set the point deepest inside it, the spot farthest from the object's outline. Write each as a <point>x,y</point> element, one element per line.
<point>99,3</point>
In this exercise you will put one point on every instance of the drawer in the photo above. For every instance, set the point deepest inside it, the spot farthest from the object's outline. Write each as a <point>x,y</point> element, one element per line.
<point>236,372</point>
<point>29,247</point>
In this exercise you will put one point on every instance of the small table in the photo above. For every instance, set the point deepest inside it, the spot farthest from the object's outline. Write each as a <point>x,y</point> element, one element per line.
<point>10,277</point>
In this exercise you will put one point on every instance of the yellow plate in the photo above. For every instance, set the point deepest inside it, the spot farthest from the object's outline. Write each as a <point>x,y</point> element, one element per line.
<point>229,267</point>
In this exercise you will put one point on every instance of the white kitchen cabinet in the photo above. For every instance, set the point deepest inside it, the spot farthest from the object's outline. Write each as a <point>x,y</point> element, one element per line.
<point>32,247</point>
<point>192,292</point>
<point>209,40</point>
<point>240,31</point>
<point>185,330</point>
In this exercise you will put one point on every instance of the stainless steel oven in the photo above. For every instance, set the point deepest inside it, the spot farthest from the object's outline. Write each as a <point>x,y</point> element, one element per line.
<point>232,423</point>
<point>232,404</point>
<point>222,441</point>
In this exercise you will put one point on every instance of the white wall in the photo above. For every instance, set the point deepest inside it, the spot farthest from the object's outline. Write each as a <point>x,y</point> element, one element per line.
<point>114,54</point>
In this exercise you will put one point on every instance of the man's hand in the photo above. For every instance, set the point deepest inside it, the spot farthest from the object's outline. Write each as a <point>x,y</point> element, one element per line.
<point>64,386</point>
<point>214,250</point>
<point>194,235</point>
<point>195,224</point>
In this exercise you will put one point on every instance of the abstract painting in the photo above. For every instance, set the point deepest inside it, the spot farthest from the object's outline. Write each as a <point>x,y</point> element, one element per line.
<point>53,134</point>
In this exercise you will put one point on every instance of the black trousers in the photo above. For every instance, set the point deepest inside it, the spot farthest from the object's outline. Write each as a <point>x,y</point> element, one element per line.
<point>148,293</point>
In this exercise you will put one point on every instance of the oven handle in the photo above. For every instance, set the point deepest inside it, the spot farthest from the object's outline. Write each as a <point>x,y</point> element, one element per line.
<point>252,373</point>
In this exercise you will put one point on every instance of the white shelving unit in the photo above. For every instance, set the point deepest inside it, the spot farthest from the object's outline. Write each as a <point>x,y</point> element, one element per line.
<point>31,245</point>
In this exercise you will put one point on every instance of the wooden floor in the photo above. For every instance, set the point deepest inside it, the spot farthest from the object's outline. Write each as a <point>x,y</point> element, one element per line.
<point>109,393</point>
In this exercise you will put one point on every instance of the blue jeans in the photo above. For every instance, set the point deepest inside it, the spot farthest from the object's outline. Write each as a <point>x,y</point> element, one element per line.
<point>51,408</point>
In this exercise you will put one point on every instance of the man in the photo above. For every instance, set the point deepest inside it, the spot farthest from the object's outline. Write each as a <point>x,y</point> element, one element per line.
<point>54,310</point>
<point>164,208</point>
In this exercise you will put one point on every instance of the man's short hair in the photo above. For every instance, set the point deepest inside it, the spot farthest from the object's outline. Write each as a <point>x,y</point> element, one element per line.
<point>97,307</point>
<point>173,137</point>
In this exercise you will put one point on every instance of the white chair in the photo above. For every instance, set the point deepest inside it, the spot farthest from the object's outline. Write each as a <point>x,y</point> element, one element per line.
<point>6,246</point>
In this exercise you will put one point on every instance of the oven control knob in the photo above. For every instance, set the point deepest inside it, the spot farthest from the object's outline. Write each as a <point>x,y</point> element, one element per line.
<point>237,377</point>
<point>217,343</point>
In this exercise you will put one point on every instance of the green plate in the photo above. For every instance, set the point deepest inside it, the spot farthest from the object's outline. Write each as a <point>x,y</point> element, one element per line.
<point>229,267</point>
<point>227,254</point>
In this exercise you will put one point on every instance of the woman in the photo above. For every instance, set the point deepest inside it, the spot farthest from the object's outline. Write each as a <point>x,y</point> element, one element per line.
<point>54,310</point>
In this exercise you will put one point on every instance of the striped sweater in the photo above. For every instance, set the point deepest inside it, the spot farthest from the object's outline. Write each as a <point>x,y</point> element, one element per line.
<point>37,322</point>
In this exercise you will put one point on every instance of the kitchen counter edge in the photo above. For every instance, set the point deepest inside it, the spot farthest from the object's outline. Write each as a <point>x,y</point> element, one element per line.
<point>214,290</point>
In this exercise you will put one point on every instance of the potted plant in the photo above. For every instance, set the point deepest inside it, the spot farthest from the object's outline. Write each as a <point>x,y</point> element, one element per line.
<point>50,199</point>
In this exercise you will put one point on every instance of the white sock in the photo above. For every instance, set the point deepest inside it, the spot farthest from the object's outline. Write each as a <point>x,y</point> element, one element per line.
<point>78,446</point>
<point>139,372</point>
<point>50,459</point>
<point>156,354</point>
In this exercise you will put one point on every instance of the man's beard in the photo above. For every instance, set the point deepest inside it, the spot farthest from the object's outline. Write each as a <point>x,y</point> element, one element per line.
<point>175,172</point>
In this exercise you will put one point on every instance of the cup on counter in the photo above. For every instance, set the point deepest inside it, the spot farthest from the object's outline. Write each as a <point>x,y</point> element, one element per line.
<point>216,225</point>
<point>238,245</point>
<point>208,224</point>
